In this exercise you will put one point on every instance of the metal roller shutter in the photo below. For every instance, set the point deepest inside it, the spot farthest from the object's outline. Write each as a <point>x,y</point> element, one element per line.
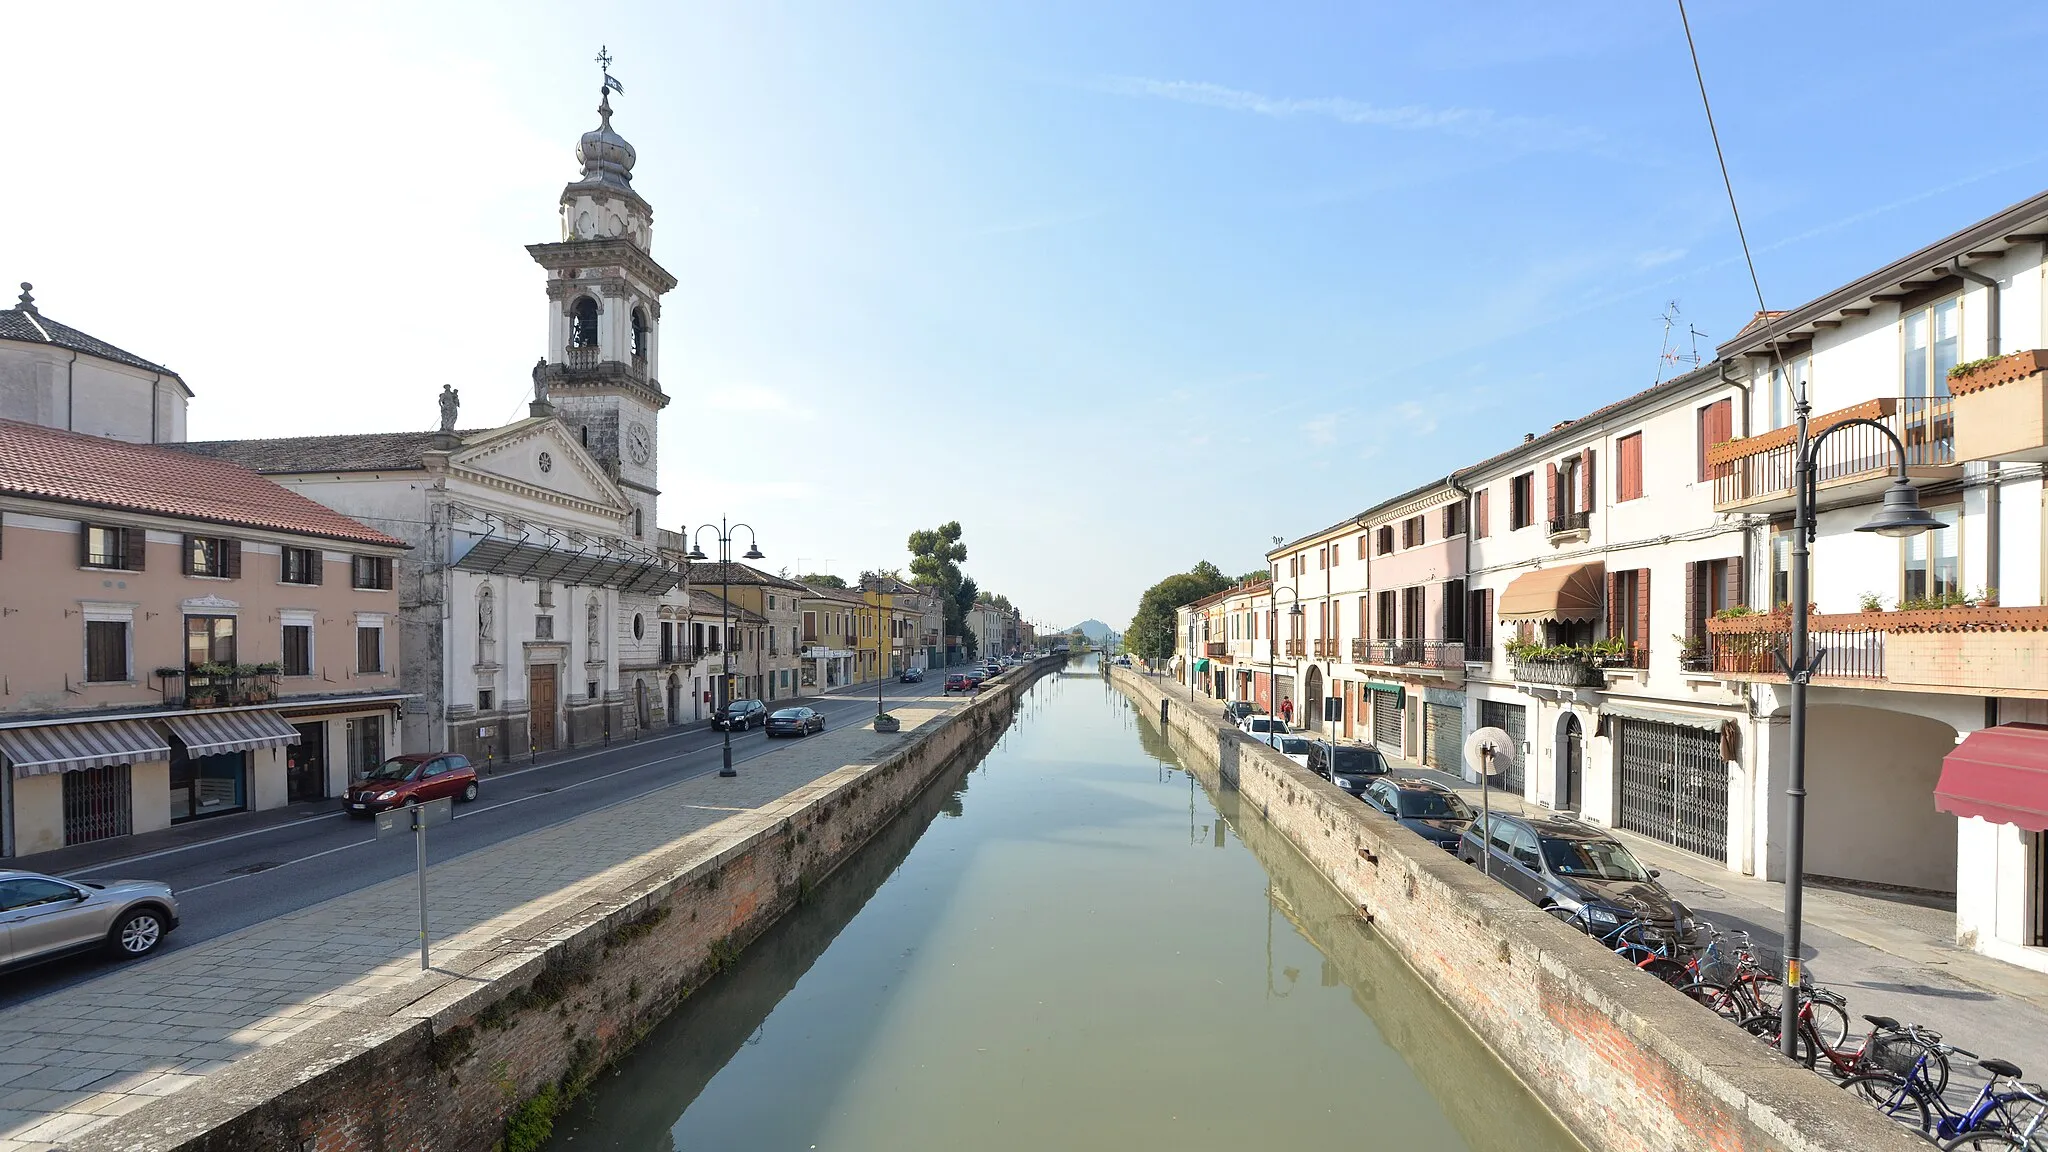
<point>1514,720</point>
<point>1386,721</point>
<point>1443,737</point>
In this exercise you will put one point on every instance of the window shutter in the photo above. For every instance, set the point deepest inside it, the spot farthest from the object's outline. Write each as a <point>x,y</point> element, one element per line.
<point>231,559</point>
<point>1614,603</point>
<point>1479,513</point>
<point>1695,627</point>
<point>1731,580</point>
<point>1550,491</point>
<point>1642,636</point>
<point>1587,488</point>
<point>319,564</point>
<point>84,543</point>
<point>134,547</point>
<point>185,554</point>
<point>384,573</point>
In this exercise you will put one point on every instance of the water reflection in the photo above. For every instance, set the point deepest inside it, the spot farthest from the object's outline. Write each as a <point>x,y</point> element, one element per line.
<point>1089,956</point>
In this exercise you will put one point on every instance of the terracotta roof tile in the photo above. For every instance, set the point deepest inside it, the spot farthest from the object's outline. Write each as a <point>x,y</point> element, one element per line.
<point>51,464</point>
<point>362,452</point>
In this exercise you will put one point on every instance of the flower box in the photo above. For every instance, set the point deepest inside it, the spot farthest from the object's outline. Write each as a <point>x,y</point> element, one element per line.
<point>2001,408</point>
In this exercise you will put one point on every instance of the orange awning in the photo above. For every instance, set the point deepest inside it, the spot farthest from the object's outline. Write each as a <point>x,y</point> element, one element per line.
<point>2000,774</point>
<point>1567,592</point>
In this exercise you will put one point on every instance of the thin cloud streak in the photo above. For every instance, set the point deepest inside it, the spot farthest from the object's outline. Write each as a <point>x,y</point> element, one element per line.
<point>1344,110</point>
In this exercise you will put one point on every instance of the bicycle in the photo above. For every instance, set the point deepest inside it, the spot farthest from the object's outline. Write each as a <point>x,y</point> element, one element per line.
<point>2030,1138</point>
<point>1889,1049</point>
<point>1751,991</point>
<point>1911,1102</point>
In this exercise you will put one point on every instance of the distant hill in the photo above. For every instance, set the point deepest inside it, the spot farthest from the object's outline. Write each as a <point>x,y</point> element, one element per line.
<point>1092,628</point>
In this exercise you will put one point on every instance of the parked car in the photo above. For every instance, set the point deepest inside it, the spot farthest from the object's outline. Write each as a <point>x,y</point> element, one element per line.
<point>411,778</point>
<point>1429,810</point>
<point>1296,748</point>
<point>1575,872</point>
<point>957,682</point>
<point>1260,725</point>
<point>43,918</point>
<point>1355,766</point>
<point>1237,710</point>
<point>911,676</point>
<point>795,722</point>
<point>741,715</point>
<point>975,680</point>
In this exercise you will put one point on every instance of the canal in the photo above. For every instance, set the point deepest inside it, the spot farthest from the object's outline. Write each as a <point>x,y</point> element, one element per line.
<point>1072,944</point>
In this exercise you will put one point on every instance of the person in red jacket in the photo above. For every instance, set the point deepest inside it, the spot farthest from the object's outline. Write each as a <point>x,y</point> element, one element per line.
<point>1287,710</point>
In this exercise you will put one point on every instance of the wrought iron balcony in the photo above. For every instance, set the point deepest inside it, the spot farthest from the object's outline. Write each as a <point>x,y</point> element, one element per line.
<point>1410,653</point>
<point>1754,474</point>
<point>1325,649</point>
<point>1570,672</point>
<point>1570,524</point>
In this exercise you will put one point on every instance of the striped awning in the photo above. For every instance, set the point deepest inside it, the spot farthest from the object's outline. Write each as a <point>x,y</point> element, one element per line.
<point>211,733</point>
<point>64,747</point>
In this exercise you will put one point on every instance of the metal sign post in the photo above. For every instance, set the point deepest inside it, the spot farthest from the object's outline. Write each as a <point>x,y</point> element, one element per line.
<point>415,818</point>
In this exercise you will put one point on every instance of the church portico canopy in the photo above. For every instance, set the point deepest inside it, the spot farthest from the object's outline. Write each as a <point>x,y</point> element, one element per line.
<point>498,546</point>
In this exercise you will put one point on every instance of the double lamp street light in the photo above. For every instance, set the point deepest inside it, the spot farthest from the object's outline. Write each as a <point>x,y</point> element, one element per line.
<point>696,555</point>
<point>1900,516</point>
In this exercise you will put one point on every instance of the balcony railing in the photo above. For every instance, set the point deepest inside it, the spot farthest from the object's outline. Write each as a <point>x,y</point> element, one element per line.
<point>1568,673</point>
<point>1565,523</point>
<point>1750,646</point>
<point>1756,471</point>
<point>1410,653</point>
<point>1216,648</point>
<point>587,356</point>
<point>1297,648</point>
<point>1324,648</point>
<point>1478,653</point>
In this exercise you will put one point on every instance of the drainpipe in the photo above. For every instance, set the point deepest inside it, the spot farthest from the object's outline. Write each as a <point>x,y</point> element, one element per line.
<point>1992,347</point>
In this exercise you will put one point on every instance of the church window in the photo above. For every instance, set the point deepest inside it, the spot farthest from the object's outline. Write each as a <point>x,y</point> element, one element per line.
<point>639,335</point>
<point>639,533</point>
<point>583,330</point>
<point>584,429</point>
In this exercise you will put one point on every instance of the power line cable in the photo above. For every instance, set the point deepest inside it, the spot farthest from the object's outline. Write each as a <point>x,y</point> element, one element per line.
<point>1721,157</point>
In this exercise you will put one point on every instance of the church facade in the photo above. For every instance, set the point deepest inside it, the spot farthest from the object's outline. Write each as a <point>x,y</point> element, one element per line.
<point>531,597</point>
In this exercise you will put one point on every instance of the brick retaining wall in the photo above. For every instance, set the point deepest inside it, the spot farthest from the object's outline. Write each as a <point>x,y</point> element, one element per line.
<point>1626,1062</point>
<point>469,1060</point>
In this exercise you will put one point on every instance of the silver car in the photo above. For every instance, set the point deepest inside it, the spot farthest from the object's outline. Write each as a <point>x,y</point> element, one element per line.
<point>42,917</point>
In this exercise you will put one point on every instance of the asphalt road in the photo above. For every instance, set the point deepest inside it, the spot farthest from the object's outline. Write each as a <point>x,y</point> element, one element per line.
<point>233,882</point>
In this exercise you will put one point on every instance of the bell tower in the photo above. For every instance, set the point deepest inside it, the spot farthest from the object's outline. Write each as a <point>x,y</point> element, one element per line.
<point>601,372</point>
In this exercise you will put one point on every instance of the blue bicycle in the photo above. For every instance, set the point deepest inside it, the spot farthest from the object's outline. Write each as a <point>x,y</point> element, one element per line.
<point>2007,1118</point>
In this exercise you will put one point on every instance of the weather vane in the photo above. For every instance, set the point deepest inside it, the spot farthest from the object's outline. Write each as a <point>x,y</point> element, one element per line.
<point>604,64</point>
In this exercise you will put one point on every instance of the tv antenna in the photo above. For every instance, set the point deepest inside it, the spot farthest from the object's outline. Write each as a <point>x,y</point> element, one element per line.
<point>1668,353</point>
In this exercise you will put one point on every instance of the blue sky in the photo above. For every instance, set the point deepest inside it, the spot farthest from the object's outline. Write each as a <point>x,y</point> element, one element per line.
<point>1118,286</point>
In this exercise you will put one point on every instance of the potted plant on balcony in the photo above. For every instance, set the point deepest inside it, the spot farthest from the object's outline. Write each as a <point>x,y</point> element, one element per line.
<point>1692,654</point>
<point>1748,650</point>
<point>205,683</point>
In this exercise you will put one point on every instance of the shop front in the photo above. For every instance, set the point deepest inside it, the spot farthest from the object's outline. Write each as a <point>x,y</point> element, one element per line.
<point>210,754</point>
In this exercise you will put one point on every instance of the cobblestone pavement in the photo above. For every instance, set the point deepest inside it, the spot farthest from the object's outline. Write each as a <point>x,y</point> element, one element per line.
<point>75,1058</point>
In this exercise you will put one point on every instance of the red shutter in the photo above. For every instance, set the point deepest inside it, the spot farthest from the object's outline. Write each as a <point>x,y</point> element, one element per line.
<point>1550,491</point>
<point>1614,603</point>
<point>1716,427</point>
<point>1479,514</point>
<point>1642,637</point>
<point>1731,580</point>
<point>1586,485</point>
<point>231,559</point>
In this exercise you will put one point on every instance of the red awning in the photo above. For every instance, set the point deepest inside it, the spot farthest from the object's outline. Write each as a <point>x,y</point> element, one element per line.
<point>2000,774</point>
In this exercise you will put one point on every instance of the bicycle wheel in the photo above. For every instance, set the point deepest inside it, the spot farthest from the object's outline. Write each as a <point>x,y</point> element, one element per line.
<point>1765,1028</point>
<point>1998,1142</point>
<point>1718,999</point>
<point>1891,1096</point>
<point>1831,1023</point>
<point>1669,971</point>
<point>1901,1055</point>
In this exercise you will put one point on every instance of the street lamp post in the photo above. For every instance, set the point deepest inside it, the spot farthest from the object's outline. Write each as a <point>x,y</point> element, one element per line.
<point>1900,516</point>
<point>695,555</point>
<point>1273,640</point>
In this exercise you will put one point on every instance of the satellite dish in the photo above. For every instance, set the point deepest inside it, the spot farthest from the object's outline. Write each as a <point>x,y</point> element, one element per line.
<point>1489,752</point>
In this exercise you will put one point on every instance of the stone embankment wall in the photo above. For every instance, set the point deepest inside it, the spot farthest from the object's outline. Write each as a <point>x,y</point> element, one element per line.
<point>1627,1063</point>
<point>486,1058</point>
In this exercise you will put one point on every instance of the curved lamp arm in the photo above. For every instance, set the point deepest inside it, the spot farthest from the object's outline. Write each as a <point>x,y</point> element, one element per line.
<point>1811,461</point>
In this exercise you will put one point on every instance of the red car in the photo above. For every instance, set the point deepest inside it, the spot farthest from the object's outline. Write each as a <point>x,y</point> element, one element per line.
<point>413,778</point>
<point>955,682</point>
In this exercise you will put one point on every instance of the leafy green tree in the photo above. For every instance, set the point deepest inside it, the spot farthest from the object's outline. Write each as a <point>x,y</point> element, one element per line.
<point>1150,635</point>
<point>822,580</point>
<point>1255,575</point>
<point>935,558</point>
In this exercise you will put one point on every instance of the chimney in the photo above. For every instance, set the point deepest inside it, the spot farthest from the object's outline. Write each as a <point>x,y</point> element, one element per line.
<point>1528,436</point>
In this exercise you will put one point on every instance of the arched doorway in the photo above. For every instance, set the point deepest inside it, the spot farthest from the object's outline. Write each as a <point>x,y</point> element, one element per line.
<point>1571,762</point>
<point>1308,711</point>
<point>675,700</point>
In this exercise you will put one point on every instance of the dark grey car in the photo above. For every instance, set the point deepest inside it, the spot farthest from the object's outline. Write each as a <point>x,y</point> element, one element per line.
<point>1432,812</point>
<point>43,917</point>
<point>1577,873</point>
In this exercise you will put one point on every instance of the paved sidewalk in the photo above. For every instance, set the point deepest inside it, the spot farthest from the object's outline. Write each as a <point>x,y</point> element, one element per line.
<point>72,1060</point>
<point>1889,956</point>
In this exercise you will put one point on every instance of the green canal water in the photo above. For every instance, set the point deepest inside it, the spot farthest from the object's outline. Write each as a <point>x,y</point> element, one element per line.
<point>1072,944</point>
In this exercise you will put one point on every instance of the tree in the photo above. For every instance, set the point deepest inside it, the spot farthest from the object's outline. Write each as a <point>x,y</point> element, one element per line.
<point>1255,576</point>
<point>822,580</point>
<point>1150,635</point>
<point>935,558</point>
